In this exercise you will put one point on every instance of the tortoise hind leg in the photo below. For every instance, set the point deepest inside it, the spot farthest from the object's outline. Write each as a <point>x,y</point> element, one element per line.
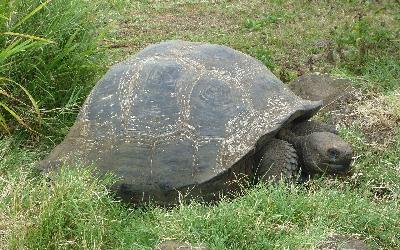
<point>277,161</point>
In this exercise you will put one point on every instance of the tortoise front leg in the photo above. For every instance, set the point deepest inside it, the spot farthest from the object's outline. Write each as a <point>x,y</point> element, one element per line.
<point>308,127</point>
<point>277,160</point>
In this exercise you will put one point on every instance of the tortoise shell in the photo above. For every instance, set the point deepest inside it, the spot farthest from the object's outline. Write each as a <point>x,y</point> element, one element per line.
<point>179,117</point>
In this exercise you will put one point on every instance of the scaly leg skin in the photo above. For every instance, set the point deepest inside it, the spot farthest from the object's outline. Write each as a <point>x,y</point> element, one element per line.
<point>320,150</point>
<point>277,161</point>
<point>308,127</point>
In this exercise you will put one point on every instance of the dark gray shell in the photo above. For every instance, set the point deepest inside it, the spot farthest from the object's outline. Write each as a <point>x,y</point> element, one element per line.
<point>177,116</point>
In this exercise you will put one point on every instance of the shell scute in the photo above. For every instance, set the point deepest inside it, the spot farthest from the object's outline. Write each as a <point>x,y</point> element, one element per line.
<point>179,116</point>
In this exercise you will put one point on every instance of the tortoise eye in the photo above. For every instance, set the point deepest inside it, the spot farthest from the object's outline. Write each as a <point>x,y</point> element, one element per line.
<point>333,153</point>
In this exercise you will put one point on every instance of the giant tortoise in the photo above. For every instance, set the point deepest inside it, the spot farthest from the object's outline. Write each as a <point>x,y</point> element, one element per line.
<point>194,120</point>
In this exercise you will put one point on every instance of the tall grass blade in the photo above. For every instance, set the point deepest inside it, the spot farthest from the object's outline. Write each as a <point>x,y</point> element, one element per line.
<point>47,51</point>
<point>41,6</point>
<point>29,37</point>
<point>15,115</point>
<point>15,48</point>
<point>8,95</point>
<point>34,103</point>
<point>3,124</point>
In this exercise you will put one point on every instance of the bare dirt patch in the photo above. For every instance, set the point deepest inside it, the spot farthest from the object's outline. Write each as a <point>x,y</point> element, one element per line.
<point>173,21</point>
<point>343,242</point>
<point>177,245</point>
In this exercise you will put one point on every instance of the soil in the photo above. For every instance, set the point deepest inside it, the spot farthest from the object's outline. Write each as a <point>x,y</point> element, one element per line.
<point>342,242</point>
<point>177,245</point>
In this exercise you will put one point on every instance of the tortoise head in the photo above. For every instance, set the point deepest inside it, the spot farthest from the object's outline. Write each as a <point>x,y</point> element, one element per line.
<point>324,152</point>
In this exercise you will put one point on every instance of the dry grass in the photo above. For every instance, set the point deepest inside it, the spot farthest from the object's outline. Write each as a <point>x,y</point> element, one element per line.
<point>377,116</point>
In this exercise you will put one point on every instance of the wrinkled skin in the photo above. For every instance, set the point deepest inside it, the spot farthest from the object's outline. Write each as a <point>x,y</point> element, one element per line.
<point>324,152</point>
<point>319,151</point>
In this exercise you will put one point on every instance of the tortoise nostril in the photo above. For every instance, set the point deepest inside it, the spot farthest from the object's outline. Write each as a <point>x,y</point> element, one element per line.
<point>333,153</point>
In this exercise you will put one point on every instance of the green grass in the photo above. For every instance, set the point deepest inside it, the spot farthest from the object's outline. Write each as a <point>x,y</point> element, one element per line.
<point>291,33</point>
<point>75,210</point>
<point>14,44</point>
<point>57,59</point>
<point>358,40</point>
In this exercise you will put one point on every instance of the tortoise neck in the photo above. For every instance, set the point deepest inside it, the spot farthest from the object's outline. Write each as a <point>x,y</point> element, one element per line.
<point>288,135</point>
<point>297,142</point>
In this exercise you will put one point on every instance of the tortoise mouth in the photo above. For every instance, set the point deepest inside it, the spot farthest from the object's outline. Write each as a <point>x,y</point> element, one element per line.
<point>337,168</point>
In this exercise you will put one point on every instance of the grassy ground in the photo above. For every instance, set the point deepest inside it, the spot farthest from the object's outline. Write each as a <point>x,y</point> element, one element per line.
<point>358,40</point>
